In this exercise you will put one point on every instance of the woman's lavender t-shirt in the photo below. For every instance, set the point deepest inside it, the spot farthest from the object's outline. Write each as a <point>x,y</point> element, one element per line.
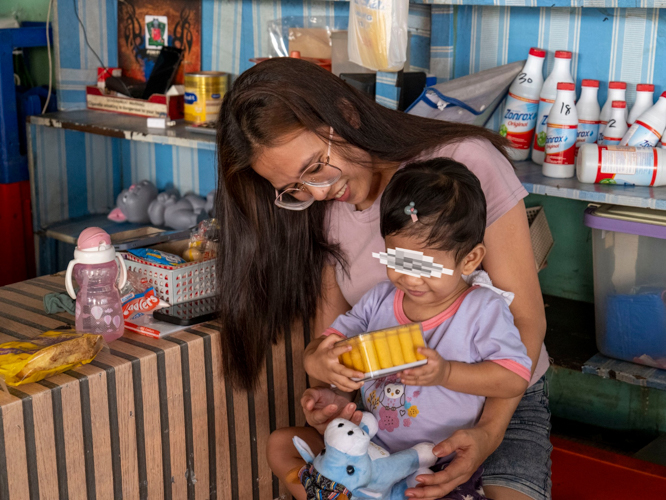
<point>357,231</point>
<point>477,327</point>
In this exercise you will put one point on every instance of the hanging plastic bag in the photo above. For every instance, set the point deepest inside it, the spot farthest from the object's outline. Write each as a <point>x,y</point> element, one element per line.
<point>378,33</point>
<point>470,99</point>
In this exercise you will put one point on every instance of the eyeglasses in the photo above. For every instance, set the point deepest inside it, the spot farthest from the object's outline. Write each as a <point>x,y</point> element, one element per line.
<point>318,175</point>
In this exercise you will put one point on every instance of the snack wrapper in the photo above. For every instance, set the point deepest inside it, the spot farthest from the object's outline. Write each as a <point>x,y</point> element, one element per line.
<point>157,256</point>
<point>136,305</point>
<point>52,352</point>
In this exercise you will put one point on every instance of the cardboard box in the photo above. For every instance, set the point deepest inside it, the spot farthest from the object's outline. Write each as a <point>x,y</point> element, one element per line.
<point>158,106</point>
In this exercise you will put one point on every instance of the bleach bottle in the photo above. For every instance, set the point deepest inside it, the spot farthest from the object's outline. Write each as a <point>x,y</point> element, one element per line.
<point>621,165</point>
<point>520,110</point>
<point>561,73</point>
<point>588,110</point>
<point>616,127</point>
<point>649,127</point>
<point>98,306</point>
<point>644,101</point>
<point>616,92</point>
<point>562,133</point>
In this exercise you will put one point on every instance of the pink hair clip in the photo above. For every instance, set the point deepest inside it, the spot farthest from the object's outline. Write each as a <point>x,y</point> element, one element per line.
<point>410,210</point>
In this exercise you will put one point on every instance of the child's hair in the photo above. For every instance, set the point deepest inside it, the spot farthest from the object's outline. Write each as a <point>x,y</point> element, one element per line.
<point>448,199</point>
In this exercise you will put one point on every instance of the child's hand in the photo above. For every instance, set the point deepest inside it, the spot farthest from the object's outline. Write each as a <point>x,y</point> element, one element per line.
<point>436,372</point>
<point>323,364</point>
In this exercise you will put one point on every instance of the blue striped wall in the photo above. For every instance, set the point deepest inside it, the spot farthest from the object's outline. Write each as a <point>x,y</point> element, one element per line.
<point>448,41</point>
<point>77,174</point>
<point>608,44</point>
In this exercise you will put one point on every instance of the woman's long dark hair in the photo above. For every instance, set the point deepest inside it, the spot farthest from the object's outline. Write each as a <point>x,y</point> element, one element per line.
<point>271,259</point>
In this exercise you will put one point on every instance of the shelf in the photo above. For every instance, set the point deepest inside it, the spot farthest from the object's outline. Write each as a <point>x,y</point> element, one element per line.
<point>535,182</point>
<point>70,230</point>
<point>624,371</point>
<point>132,128</point>
<point>571,342</point>
<point>551,3</point>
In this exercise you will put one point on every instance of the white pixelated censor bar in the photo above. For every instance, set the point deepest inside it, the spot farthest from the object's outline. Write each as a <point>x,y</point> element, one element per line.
<point>411,263</point>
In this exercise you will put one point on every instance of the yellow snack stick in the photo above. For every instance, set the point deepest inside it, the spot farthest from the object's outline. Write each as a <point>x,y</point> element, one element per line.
<point>368,352</point>
<point>346,359</point>
<point>407,345</point>
<point>383,350</point>
<point>395,348</point>
<point>357,360</point>
<point>417,340</point>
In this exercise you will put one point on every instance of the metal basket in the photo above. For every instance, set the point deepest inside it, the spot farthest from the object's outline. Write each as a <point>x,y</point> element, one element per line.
<point>542,239</point>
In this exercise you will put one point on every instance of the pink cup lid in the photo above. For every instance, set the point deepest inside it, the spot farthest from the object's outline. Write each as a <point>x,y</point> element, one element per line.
<point>563,54</point>
<point>535,51</point>
<point>93,237</point>
<point>617,85</point>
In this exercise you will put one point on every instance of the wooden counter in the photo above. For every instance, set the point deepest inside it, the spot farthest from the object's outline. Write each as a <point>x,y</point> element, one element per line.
<point>146,419</point>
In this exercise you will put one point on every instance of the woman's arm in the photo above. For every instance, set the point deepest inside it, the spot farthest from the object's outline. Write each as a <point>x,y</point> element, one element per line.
<point>321,404</point>
<point>510,263</point>
<point>320,361</point>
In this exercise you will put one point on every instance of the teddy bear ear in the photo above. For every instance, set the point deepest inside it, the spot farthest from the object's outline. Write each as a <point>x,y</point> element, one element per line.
<point>369,424</point>
<point>303,449</point>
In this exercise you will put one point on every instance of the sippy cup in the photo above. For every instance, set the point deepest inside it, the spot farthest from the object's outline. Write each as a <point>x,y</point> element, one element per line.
<point>98,306</point>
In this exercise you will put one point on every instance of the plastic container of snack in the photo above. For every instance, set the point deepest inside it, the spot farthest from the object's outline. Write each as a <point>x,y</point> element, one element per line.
<point>383,352</point>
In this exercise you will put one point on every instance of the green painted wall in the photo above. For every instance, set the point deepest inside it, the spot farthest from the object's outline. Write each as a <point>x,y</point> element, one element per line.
<point>569,271</point>
<point>31,10</point>
<point>604,402</point>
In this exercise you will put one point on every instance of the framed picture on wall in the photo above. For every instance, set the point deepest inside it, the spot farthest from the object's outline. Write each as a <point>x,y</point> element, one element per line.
<point>145,26</point>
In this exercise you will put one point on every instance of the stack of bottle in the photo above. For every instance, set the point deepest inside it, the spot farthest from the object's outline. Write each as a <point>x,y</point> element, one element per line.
<point>603,145</point>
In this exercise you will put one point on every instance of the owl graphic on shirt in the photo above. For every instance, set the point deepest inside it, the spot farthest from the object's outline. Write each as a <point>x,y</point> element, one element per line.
<point>392,396</point>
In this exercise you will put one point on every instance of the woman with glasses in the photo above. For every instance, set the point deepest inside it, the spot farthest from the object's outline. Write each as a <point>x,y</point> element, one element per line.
<point>303,160</point>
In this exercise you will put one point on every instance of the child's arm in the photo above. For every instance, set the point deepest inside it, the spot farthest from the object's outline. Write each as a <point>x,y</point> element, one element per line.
<point>486,378</point>
<point>322,363</point>
<point>322,357</point>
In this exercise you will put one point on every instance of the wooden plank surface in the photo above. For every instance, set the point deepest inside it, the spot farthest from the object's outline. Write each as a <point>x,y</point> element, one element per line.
<point>148,418</point>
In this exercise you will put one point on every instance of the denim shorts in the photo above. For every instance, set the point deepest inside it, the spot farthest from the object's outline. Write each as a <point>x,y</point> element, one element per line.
<point>522,460</point>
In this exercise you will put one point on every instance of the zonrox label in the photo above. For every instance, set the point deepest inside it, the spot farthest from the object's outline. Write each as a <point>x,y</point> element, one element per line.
<point>542,124</point>
<point>560,144</point>
<point>519,120</point>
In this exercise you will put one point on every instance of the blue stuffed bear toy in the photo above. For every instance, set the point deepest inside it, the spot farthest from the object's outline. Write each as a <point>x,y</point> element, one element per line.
<point>352,465</point>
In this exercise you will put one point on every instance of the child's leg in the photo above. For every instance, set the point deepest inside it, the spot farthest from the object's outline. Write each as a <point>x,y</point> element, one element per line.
<point>283,458</point>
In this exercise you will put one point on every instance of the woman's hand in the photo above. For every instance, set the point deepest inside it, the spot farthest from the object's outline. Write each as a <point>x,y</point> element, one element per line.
<point>436,372</point>
<point>472,447</point>
<point>321,405</point>
<point>323,364</point>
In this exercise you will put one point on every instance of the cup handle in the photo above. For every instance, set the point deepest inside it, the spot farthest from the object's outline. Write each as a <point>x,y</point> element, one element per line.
<point>123,272</point>
<point>68,278</point>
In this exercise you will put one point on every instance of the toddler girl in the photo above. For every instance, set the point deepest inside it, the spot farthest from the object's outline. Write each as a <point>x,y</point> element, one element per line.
<point>474,350</point>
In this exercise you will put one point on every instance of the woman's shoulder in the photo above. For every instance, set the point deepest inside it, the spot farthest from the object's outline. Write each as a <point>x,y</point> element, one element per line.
<point>498,179</point>
<point>478,149</point>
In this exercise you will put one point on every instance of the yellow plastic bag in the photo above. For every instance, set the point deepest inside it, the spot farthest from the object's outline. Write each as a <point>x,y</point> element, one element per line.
<point>48,354</point>
<point>378,33</point>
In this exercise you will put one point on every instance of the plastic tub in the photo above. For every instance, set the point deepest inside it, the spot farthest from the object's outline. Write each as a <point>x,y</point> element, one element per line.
<point>629,245</point>
<point>383,352</point>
